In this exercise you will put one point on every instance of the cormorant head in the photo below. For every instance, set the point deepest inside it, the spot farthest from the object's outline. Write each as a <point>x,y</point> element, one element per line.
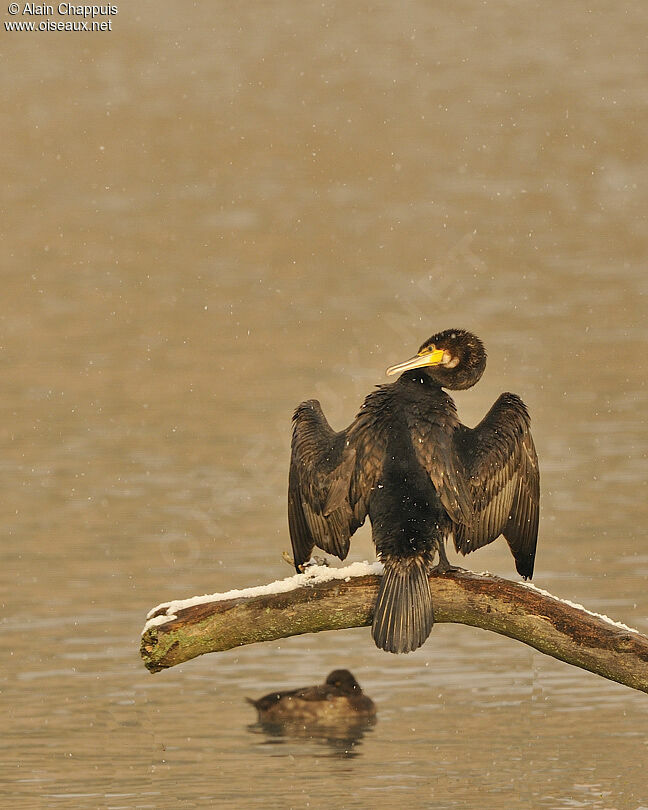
<point>343,680</point>
<point>454,359</point>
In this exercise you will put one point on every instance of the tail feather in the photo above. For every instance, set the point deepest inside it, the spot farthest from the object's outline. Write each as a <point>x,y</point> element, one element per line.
<point>403,615</point>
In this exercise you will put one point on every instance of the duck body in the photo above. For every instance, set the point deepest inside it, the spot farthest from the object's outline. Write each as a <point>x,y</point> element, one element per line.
<point>338,700</point>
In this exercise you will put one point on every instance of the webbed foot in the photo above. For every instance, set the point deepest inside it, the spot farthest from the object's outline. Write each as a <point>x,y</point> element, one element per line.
<point>444,567</point>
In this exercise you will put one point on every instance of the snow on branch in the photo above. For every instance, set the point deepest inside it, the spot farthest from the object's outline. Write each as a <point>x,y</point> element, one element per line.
<point>326,598</point>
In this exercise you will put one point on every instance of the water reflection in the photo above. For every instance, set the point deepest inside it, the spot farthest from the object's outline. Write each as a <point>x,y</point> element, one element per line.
<point>343,739</point>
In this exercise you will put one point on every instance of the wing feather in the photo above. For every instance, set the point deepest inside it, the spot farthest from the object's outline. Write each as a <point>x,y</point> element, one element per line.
<point>500,459</point>
<point>322,511</point>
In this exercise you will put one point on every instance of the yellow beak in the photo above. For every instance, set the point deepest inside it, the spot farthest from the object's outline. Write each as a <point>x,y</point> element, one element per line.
<point>434,358</point>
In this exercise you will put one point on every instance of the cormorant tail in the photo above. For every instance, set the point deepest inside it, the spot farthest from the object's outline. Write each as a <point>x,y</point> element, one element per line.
<point>403,616</point>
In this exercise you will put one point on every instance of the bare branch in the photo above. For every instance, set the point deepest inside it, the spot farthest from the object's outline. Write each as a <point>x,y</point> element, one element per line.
<point>177,632</point>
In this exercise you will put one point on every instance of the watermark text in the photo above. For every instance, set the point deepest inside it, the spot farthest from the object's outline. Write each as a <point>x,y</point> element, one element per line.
<point>37,17</point>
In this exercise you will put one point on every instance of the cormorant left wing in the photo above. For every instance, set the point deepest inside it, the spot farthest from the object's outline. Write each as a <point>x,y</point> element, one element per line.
<point>500,458</point>
<point>322,467</point>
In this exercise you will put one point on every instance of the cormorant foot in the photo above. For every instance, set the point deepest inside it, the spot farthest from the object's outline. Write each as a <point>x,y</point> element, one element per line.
<point>314,560</point>
<point>308,564</point>
<point>446,568</point>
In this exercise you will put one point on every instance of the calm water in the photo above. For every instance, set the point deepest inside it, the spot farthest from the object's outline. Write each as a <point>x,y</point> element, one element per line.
<point>211,213</point>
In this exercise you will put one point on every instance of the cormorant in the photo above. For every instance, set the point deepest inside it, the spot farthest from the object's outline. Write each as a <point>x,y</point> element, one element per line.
<point>421,476</point>
<point>338,700</point>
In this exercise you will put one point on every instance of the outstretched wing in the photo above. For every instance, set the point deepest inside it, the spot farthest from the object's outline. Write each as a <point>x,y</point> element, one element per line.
<point>500,460</point>
<point>327,491</point>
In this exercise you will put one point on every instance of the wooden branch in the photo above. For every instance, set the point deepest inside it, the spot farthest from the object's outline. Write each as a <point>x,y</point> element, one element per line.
<point>175,633</point>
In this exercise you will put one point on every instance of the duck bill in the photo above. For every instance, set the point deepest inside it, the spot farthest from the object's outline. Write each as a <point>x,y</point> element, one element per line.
<point>434,358</point>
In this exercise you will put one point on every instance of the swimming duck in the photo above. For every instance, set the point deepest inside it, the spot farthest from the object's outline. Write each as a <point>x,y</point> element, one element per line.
<point>338,699</point>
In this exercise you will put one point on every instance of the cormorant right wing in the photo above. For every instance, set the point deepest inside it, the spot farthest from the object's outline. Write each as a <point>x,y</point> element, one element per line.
<point>500,459</point>
<point>328,489</point>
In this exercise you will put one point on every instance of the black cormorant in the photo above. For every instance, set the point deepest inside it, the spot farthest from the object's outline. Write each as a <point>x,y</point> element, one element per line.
<point>338,700</point>
<point>421,476</point>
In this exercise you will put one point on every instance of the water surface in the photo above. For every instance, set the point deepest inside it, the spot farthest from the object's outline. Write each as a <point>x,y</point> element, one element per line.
<point>211,213</point>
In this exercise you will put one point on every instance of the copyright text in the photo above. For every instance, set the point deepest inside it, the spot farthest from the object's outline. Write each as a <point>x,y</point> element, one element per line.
<point>61,17</point>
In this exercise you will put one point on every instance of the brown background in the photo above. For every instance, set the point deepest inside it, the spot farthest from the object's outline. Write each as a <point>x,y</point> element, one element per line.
<point>213,212</point>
